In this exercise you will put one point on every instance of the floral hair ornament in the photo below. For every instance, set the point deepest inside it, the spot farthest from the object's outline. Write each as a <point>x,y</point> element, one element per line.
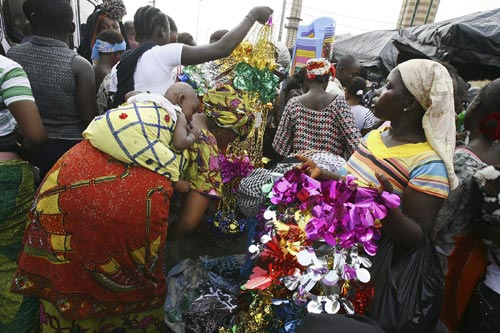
<point>318,67</point>
<point>490,126</point>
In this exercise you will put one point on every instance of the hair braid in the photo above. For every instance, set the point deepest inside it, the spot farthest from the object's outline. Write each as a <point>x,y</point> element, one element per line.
<point>146,19</point>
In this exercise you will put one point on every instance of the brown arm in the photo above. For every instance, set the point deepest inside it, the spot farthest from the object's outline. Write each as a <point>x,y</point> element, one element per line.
<point>86,103</point>
<point>193,55</point>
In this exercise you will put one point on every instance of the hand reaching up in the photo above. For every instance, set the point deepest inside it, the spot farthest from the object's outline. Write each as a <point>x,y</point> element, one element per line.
<point>261,14</point>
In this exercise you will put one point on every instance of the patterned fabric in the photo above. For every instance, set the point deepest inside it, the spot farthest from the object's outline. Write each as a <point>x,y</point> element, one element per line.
<point>229,109</point>
<point>318,67</point>
<point>139,133</point>
<point>250,195</point>
<point>48,64</point>
<point>102,94</point>
<point>103,224</point>
<point>455,215</point>
<point>150,321</point>
<point>461,254</point>
<point>101,46</point>
<point>200,165</point>
<point>417,166</point>
<point>19,314</point>
<point>14,87</point>
<point>432,86</point>
<point>488,181</point>
<point>204,293</point>
<point>331,130</point>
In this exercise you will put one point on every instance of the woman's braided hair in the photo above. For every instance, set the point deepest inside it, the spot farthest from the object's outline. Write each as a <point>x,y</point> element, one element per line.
<point>146,19</point>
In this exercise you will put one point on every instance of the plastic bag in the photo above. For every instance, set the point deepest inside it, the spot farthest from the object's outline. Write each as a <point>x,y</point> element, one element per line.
<point>408,288</point>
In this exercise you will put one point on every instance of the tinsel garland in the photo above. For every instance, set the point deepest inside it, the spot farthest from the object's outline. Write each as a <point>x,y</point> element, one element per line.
<point>226,222</point>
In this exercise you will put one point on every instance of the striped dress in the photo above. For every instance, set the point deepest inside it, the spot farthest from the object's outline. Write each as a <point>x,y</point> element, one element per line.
<point>416,166</point>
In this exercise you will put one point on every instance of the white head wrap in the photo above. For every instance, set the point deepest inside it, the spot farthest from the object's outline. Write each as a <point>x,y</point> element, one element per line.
<point>432,86</point>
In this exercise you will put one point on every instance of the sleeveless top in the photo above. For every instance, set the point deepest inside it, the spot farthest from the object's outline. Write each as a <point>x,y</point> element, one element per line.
<point>48,62</point>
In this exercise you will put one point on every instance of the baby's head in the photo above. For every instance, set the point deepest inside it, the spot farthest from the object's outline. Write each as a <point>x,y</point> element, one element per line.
<point>183,94</point>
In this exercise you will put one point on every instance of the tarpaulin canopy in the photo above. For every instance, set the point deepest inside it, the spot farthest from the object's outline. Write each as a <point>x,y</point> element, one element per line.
<point>471,43</point>
<point>374,50</point>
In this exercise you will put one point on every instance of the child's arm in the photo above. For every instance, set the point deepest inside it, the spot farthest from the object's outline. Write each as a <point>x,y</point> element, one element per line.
<point>184,136</point>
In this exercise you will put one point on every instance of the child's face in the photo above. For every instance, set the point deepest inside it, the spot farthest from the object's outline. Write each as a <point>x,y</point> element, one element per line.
<point>190,106</point>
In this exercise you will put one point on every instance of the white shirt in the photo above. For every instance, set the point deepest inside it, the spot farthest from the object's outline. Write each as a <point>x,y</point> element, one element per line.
<point>154,69</point>
<point>158,99</point>
<point>335,87</point>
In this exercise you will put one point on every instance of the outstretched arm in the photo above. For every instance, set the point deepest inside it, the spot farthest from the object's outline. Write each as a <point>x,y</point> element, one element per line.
<point>193,55</point>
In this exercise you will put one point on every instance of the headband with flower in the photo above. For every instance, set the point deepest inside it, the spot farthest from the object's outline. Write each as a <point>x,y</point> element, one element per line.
<point>318,67</point>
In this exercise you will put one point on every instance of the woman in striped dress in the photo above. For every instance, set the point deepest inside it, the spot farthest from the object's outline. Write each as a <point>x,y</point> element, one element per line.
<point>413,158</point>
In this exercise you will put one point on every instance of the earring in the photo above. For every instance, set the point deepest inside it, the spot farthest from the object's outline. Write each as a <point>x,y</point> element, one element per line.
<point>405,110</point>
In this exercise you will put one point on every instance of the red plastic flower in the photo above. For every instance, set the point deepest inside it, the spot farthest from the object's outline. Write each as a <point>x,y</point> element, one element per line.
<point>123,116</point>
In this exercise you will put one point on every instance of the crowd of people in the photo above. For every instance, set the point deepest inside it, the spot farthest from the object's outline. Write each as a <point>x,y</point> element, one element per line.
<point>109,165</point>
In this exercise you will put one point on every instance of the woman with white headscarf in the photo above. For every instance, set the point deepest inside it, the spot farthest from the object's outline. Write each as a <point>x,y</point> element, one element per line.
<point>414,159</point>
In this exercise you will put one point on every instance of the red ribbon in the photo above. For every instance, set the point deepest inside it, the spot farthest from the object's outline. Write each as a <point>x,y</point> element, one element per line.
<point>490,126</point>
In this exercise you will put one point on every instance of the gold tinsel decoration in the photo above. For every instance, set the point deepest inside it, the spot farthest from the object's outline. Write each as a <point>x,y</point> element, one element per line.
<point>259,54</point>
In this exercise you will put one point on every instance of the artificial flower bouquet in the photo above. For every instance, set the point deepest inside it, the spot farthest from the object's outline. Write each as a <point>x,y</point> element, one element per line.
<point>312,251</point>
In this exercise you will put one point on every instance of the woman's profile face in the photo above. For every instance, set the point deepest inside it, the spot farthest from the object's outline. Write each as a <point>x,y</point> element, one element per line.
<point>392,98</point>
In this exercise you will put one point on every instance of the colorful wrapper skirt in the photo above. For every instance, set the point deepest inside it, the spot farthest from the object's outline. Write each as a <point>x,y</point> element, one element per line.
<point>17,313</point>
<point>95,243</point>
<point>150,321</point>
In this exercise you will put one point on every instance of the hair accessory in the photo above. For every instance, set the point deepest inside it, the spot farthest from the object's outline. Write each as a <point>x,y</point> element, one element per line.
<point>359,92</point>
<point>490,126</point>
<point>318,67</point>
<point>101,46</point>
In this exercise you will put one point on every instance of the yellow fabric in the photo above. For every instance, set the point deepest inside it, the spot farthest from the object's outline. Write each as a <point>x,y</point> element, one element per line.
<point>229,109</point>
<point>140,133</point>
<point>432,86</point>
<point>378,148</point>
<point>200,166</point>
